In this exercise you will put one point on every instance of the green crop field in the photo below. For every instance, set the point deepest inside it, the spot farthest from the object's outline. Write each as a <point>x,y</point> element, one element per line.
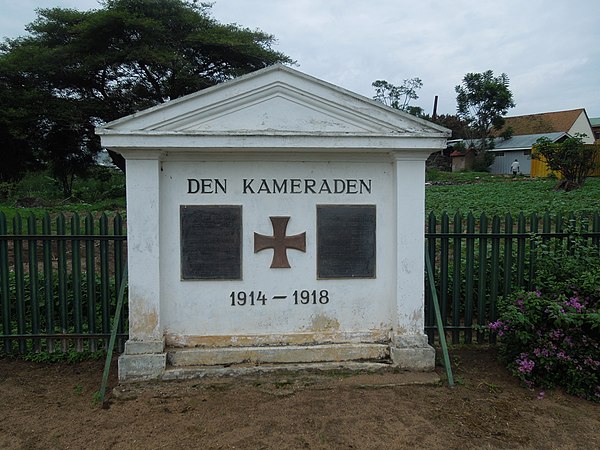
<point>500,195</point>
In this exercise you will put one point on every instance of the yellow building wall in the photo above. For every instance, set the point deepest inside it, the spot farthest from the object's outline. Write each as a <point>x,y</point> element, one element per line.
<point>539,169</point>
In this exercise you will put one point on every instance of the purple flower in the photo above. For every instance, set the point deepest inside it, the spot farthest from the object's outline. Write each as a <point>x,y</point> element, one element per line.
<point>525,365</point>
<point>495,326</point>
<point>499,327</point>
<point>588,361</point>
<point>538,293</point>
<point>556,335</point>
<point>574,303</point>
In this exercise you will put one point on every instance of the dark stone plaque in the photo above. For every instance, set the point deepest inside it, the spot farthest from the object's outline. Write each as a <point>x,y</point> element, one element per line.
<point>346,241</point>
<point>211,242</point>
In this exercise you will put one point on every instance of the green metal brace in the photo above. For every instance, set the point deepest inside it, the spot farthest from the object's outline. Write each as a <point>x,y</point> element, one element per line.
<point>438,318</point>
<point>113,336</point>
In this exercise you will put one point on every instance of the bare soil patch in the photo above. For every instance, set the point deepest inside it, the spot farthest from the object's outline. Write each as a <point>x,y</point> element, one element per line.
<point>50,406</point>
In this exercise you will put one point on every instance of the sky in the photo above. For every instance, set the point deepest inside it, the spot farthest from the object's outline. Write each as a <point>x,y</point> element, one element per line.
<point>550,49</point>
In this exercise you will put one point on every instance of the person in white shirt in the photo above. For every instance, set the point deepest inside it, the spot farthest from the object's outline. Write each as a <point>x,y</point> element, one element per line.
<point>514,167</point>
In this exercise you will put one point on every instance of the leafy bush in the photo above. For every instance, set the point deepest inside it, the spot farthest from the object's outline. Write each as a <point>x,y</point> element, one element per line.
<point>551,336</point>
<point>6,190</point>
<point>574,160</point>
<point>41,189</point>
<point>483,160</point>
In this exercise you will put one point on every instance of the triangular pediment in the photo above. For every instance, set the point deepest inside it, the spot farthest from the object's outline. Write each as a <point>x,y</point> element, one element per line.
<point>276,100</point>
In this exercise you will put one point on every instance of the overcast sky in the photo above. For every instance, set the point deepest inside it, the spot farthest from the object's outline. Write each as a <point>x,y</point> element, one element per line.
<point>549,49</point>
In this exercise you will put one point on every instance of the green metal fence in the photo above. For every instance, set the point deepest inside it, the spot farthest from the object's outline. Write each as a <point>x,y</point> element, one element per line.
<point>477,260</point>
<point>59,279</point>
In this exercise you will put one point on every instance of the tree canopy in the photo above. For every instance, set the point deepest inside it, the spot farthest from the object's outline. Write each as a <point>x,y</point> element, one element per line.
<point>398,97</point>
<point>482,100</point>
<point>78,69</point>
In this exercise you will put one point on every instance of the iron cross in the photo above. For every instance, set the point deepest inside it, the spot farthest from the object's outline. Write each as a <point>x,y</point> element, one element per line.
<point>279,242</point>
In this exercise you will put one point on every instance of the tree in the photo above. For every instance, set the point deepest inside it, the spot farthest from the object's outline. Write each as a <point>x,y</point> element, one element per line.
<point>458,126</point>
<point>86,68</point>
<point>17,153</point>
<point>398,97</point>
<point>482,101</point>
<point>573,159</point>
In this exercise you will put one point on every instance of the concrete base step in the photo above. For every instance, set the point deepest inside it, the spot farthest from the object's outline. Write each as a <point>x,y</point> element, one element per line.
<point>286,354</point>
<point>241,370</point>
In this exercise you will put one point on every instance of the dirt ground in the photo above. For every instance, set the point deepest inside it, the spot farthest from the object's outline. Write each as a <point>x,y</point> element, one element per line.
<point>51,406</point>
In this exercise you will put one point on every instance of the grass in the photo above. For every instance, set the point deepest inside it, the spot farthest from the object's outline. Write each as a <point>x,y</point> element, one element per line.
<point>500,195</point>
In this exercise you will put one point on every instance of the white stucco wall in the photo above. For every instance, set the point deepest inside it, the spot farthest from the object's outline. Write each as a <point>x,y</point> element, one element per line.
<point>357,309</point>
<point>582,126</point>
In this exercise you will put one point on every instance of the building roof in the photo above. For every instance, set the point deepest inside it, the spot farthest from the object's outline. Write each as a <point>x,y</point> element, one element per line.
<point>543,123</point>
<point>595,121</point>
<point>523,142</point>
<point>277,108</point>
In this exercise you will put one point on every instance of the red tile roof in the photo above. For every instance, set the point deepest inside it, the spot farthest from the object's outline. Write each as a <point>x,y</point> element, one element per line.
<point>550,122</point>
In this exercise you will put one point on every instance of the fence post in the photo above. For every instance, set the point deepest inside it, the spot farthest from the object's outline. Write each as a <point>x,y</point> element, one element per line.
<point>104,275</point>
<point>469,269</point>
<point>456,276</point>
<point>90,277</point>
<point>444,261</point>
<point>5,285</point>
<point>521,229</point>
<point>19,281</point>
<point>48,279</point>
<point>495,272</point>
<point>33,280</point>
<point>76,275</point>
<point>533,228</point>
<point>431,254</point>
<point>481,292</point>
<point>508,229</point>
<point>62,278</point>
<point>118,248</point>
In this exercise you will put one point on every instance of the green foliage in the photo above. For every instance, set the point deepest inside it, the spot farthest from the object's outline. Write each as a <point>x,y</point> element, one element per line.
<point>101,190</point>
<point>574,160</point>
<point>482,101</point>
<point>459,127</point>
<point>483,160</point>
<point>7,189</point>
<point>71,356</point>
<point>551,336</point>
<point>96,398</point>
<point>78,69</point>
<point>398,97</point>
<point>498,195</point>
<point>507,133</point>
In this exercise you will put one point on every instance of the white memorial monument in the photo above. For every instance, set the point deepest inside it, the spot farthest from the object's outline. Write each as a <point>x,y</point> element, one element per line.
<point>273,219</point>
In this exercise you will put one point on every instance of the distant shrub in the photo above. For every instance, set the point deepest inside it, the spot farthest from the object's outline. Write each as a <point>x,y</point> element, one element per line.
<point>41,189</point>
<point>551,336</point>
<point>6,190</point>
<point>483,160</point>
